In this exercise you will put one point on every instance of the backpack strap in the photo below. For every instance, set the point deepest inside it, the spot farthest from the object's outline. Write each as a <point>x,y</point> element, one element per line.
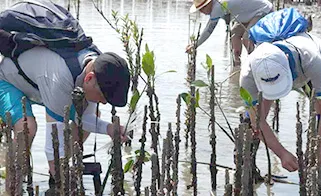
<point>291,60</point>
<point>15,61</point>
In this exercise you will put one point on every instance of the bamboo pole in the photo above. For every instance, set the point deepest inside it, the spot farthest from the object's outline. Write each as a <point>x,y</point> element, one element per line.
<point>55,143</point>
<point>213,168</point>
<point>10,167</point>
<point>139,163</point>
<point>28,168</point>
<point>299,153</point>
<point>117,171</point>
<point>176,152</point>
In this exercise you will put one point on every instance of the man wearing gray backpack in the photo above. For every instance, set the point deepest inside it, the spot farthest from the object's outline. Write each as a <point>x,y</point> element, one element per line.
<point>276,67</point>
<point>245,13</point>
<point>45,64</point>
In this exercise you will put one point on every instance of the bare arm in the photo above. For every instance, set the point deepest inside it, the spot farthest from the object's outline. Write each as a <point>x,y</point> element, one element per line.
<point>211,24</point>
<point>288,160</point>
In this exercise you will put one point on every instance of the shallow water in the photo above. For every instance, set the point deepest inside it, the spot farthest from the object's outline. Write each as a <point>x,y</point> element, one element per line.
<point>166,30</point>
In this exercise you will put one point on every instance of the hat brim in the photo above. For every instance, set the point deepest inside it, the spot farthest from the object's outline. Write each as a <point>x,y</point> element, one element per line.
<point>194,9</point>
<point>278,89</point>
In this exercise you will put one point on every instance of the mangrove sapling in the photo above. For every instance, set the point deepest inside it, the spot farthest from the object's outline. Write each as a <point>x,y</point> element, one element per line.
<point>247,98</point>
<point>138,166</point>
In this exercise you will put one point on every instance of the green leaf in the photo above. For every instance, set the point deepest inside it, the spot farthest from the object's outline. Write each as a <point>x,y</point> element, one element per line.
<point>246,96</point>
<point>186,97</point>
<point>134,100</point>
<point>197,98</point>
<point>137,152</point>
<point>170,71</point>
<point>146,48</point>
<point>209,62</point>
<point>148,64</point>
<point>224,6</point>
<point>199,83</point>
<point>128,165</point>
<point>147,154</point>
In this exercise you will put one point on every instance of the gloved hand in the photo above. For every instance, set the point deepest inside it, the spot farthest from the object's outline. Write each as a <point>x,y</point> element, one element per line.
<point>6,43</point>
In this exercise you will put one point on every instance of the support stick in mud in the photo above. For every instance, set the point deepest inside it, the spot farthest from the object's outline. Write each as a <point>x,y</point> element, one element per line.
<point>310,152</point>
<point>247,179</point>
<point>176,151</point>
<point>153,129</point>
<point>37,190</point>
<point>139,164</point>
<point>55,145</point>
<point>153,188</point>
<point>10,168</point>
<point>319,163</point>
<point>79,169</point>
<point>168,162</point>
<point>117,170</point>
<point>163,172</point>
<point>309,135</point>
<point>80,103</point>
<point>192,67</point>
<point>193,146</point>
<point>228,186</point>
<point>65,164</point>
<point>276,118</point>
<point>28,169</point>
<point>239,135</point>
<point>19,163</point>
<point>146,191</point>
<point>213,168</point>
<point>299,153</point>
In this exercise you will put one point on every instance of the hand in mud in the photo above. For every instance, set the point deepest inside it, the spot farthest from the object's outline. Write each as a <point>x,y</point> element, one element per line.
<point>189,48</point>
<point>110,132</point>
<point>289,161</point>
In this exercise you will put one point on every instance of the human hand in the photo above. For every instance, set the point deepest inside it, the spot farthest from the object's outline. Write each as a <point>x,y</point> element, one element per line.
<point>289,161</point>
<point>189,48</point>
<point>110,132</point>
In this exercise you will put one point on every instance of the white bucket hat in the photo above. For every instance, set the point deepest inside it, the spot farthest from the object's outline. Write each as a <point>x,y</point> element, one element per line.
<point>198,4</point>
<point>271,71</point>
